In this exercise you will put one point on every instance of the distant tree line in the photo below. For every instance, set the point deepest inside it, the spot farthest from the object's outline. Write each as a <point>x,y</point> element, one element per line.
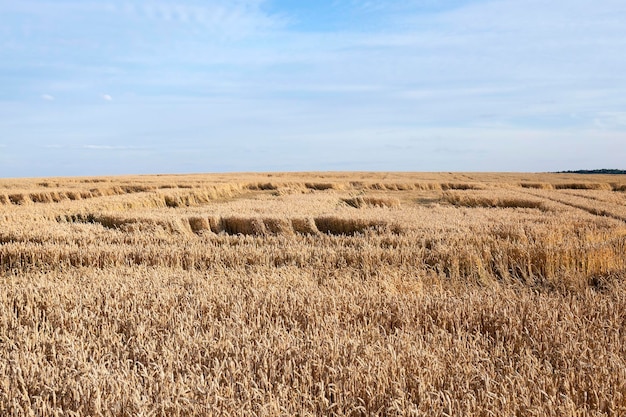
<point>594,171</point>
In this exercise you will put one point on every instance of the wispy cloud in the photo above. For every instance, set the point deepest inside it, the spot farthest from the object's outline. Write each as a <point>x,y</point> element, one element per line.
<point>274,81</point>
<point>611,120</point>
<point>243,16</point>
<point>113,147</point>
<point>230,18</point>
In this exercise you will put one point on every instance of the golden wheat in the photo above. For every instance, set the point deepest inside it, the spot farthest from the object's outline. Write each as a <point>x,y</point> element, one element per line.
<point>355,294</point>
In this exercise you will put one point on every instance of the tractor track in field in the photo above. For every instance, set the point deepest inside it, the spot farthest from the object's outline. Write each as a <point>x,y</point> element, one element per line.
<point>590,210</point>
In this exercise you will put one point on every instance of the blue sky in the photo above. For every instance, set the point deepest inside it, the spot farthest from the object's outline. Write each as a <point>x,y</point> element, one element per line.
<point>175,86</point>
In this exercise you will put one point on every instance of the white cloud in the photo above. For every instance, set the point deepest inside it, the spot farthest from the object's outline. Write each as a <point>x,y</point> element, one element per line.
<point>112,147</point>
<point>525,75</point>
<point>223,17</point>
<point>611,120</point>
<point>47,97</point>
<point>449,93</point>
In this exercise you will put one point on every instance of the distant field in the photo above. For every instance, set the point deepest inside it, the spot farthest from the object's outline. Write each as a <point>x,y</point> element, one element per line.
<point>354,294</point>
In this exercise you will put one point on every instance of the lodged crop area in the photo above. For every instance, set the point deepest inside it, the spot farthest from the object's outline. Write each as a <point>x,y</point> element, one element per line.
<point>348,294</point>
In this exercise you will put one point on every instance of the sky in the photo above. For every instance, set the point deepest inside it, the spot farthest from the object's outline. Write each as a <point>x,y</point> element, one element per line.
<point>105,87</point>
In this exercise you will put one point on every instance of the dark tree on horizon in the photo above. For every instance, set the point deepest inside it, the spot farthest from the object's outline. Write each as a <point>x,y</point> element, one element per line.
<point>595,171</point>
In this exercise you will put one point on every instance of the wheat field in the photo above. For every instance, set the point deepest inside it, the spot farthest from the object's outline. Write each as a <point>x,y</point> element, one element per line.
<point>309,294</point>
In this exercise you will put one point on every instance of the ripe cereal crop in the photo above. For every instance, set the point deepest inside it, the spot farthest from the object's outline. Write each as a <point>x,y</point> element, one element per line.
<point>314,294</point>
